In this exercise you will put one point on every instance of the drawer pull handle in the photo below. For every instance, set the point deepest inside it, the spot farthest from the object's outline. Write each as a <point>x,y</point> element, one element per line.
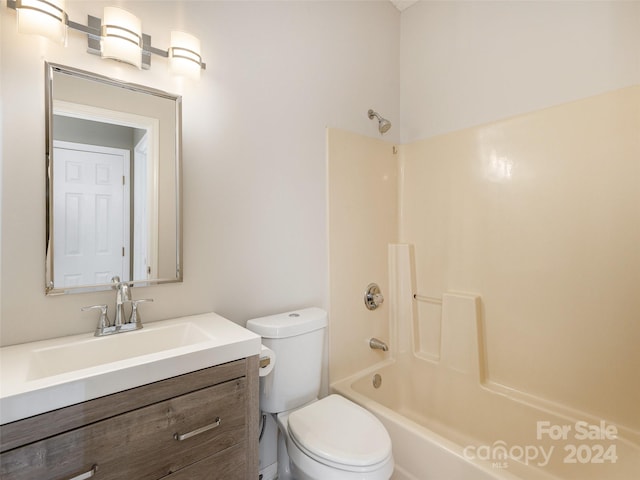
<point>85,475</point>
<point>197,431</point>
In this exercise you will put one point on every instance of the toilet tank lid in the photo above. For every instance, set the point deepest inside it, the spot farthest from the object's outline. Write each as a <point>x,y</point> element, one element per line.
<point>289,324</point>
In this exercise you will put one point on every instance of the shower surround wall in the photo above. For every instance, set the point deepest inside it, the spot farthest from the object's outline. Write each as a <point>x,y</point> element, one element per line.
<point>538,215</point>
<point>363,215</point>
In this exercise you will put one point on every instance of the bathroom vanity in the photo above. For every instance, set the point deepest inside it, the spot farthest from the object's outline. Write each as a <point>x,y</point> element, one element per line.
<point>202,424</point>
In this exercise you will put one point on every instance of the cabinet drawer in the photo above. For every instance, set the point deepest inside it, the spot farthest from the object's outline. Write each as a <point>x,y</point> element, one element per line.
<point>230,464</point>
<point>147,443</point>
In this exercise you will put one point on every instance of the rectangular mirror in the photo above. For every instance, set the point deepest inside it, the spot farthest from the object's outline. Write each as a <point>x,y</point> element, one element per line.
<point>113,183</point>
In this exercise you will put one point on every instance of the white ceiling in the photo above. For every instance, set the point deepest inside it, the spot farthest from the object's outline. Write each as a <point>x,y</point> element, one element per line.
<point>403,4</point>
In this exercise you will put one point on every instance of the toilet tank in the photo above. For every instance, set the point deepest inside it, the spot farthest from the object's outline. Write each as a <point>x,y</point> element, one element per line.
<point>297,339</point>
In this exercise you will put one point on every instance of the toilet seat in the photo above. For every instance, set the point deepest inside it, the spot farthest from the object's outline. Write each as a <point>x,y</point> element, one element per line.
<point>303,467</point>
<point>338,433</point>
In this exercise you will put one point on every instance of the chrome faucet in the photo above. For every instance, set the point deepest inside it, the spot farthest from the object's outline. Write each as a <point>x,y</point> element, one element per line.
<point>377,344</point>
<point>123,295</point>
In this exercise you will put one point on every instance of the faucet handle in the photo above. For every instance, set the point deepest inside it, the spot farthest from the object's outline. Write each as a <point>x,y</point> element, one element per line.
<point>373,297</point>
<point>104,322</point>
<point>135,316</point>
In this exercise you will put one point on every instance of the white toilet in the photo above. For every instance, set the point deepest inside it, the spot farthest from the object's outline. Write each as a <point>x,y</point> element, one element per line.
<point>327,439</point>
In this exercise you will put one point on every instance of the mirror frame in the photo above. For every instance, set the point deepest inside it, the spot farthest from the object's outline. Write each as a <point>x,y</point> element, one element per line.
<point>50,69</point>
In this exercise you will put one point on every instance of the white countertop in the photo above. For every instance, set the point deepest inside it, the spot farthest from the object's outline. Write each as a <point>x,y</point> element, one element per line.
<point>38,377</point>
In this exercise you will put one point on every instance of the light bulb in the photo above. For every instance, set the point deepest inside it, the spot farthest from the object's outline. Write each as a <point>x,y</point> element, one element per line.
<point>121,36</point>
<point>46,18</point>
<point>184,55</point>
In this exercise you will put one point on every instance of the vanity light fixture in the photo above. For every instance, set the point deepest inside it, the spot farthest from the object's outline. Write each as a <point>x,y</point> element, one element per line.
<point>119,37</point>
<point>43,17</point>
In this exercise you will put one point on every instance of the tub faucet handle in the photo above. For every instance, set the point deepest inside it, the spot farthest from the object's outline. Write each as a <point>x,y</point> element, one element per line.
<point>373,297</point>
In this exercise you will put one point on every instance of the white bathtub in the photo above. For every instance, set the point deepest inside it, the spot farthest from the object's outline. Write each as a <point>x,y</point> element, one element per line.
<point>446,427</point>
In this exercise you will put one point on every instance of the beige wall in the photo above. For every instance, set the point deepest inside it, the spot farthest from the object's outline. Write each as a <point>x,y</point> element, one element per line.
<point>254,144</point>
<point>466,63</point>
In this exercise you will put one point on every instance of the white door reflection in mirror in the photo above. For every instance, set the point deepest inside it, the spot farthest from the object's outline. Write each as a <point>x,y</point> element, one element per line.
<point>135,213</point>
<point>145,218</point>
<point>91,199</point>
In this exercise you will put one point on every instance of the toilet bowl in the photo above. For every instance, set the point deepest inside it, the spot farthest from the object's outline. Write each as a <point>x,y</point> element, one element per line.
<point>335,439</point>
<point>327,439</point>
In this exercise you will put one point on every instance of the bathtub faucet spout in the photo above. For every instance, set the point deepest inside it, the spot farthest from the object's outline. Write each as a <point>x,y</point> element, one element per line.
<point>376,344</point>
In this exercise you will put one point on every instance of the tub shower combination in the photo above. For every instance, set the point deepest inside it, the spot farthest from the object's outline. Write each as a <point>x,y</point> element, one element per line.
<point>447,421</point>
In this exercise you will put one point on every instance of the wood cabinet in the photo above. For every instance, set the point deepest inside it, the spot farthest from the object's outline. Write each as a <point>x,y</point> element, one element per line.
<point>198,426</point>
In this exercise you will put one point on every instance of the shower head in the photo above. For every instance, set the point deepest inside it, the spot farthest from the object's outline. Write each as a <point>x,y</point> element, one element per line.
<point>383,124</point>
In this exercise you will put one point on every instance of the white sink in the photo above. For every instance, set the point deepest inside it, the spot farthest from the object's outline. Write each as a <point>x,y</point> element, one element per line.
<point>41,376</point>
<point>84,352</point>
